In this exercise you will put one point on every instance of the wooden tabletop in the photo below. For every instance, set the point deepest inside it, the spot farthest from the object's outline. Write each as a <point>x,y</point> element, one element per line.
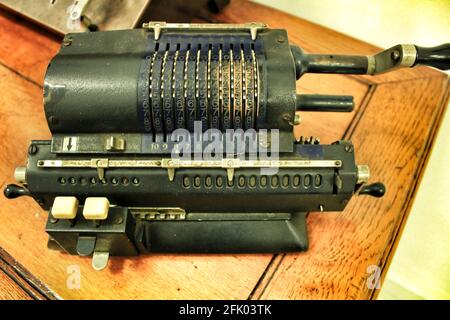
<point>392,127</point>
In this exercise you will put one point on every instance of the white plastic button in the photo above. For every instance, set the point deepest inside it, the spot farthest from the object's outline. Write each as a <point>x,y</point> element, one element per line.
<point>64,208</point>
<point>96,208</point>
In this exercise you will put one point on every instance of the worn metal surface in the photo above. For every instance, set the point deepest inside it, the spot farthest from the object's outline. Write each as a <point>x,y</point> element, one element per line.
<point>63,16</point>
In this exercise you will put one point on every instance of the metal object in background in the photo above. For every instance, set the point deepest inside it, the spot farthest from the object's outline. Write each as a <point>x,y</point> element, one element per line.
<point>66,16</point>
<point>113,101</point>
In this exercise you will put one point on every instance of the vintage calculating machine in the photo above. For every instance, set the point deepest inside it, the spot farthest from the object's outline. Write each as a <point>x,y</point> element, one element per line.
<point>117,179</point>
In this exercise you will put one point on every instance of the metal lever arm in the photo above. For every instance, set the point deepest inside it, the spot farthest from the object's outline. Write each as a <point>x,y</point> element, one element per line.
<point>408,55</point>
<point>402,55</point>
<point>318,102</point>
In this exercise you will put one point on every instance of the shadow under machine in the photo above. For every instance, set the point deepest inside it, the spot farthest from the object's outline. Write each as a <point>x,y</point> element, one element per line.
<point>115,180</point>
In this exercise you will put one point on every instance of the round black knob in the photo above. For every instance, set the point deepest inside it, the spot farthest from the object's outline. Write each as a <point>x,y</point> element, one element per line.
<point>376,189</point>
<point>13,191</point>
<point>438,57</point>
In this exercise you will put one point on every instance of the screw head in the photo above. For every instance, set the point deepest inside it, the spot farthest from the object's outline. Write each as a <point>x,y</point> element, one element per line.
<point>264,140</point>
<point>395,55</point>
<point>32,149</point>
<point>67,41</point>
<point>287,117</point>
<point>280,39</point>
<point>53,120</point>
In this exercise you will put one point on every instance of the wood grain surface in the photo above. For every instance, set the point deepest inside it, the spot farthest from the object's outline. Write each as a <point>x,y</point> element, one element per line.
<point>9,290</point>
<point>16,282</point>
<point>392,127</point>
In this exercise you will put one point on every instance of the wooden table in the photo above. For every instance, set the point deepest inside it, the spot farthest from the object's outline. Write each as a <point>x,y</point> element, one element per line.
<point>393,127</point>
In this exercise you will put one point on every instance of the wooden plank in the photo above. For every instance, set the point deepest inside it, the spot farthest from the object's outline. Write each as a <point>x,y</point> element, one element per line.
<point>206,276</point>
<point>9,290</point>
<point>17,283</point>
<point>25,48</point>
<point>344,245</point>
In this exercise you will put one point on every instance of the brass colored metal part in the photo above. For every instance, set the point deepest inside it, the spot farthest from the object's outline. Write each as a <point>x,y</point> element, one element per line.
<point>158,26</point>
<point>363,174</point>
<point>115,144</point>
<point>172,164</point>
<point>20,174</point>
<point>150,213</point>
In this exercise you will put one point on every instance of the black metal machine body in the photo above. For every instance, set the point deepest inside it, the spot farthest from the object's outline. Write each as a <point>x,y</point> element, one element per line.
<point>119,178</point>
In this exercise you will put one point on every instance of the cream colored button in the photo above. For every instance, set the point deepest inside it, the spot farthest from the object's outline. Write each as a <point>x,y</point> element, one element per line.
<point>64,208</point>
<point>96,208</point>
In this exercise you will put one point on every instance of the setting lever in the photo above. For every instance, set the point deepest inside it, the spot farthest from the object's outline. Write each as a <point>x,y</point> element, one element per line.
<point>376,189</point>
<point>13,191</point>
